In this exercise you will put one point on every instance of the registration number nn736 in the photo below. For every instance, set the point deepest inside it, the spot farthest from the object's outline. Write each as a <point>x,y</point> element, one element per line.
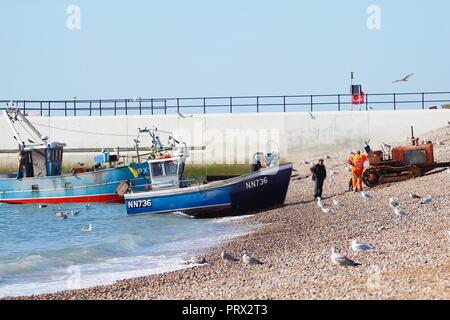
<point>139,204</point>
<point>256,183</point>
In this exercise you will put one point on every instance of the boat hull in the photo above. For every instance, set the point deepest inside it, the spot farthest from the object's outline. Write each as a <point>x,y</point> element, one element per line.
<point>89,187</point>
<point>237,196</point>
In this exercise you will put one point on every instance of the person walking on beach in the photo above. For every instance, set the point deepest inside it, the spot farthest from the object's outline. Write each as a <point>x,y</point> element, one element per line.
<point>319,174</point>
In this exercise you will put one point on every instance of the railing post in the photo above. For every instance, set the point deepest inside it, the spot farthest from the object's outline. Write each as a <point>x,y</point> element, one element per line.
<point>100,106</point>
<point>40,104</point>
<point>152,104</point>
<point>65,108</point>
<point>24,108</point>
<point>74,107</point>
<point>140,108</point>
<point>49,109</point>
<point>284,103</point>
<point>165,106</point>
<point>257,104</point>
<point>395,102</point>
<point>115,107</point>
<point>126,107</point>
<point>367,102</point>
<point>339,102</point>
<point>423,101</point>
<point>178,105</point>
<point>90,108</point>
<point>204,105</point>
<point>312,103</point>
<point>231,104</point>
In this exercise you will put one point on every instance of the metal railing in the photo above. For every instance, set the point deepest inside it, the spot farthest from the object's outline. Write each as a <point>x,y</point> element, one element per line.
<point>238,104</point>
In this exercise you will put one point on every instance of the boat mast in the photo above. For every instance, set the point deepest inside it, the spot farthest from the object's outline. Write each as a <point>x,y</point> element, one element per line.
<point>14,117</point>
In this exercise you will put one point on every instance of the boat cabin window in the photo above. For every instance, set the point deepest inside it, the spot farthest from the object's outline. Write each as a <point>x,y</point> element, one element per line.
<point>157,169</point>
<point>171,168</point>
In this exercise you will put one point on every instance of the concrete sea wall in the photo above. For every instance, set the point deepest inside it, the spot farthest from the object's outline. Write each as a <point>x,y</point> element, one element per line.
<point>231,138</point>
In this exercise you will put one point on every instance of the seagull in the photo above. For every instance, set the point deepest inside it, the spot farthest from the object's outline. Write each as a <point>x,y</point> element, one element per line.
<point>400,212</point>
<point>364,194</point>
<point>328,157</point>
<point>327,210</point>
<point>197,260</point>
<point>74,212</point>
<point>227,257</point>
<point>250,260</point>
<point>412,195</point>
<point>427,200</point>
<point>320,203</point>
<point>306,162</point>
<point>88,206</point>
<point>440,143</point>
<point>341,260</point>
<point>394,202</point>
<point>42,206</point>
<point>62,216</point>
<point>361,246</point>
<point>135,99</point>
<point>182,116</point>
<point>87,228</point>
<point>404,79</point>
<point>311,115</point>
<point>336,202</point>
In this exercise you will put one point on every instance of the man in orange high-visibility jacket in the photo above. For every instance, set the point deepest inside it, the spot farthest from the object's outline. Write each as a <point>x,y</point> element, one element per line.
<point>357,163</point>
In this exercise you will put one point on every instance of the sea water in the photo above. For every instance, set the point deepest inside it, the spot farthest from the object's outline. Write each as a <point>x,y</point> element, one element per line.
<point>39,253</point>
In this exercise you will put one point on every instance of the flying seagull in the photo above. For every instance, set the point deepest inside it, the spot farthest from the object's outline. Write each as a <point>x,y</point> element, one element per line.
<point>341,260</point>
<point>404,79</point>
<point>250,260</point>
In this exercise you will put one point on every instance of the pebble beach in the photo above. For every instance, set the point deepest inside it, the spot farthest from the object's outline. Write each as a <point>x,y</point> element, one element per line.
<point>410,261</point>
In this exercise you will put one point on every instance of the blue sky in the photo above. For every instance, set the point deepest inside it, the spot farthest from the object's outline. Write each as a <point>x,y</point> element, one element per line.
<point>219,48</point>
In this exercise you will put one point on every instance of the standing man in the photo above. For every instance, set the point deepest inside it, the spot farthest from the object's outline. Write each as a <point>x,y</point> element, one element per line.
<point>319,174</point>
<point>357,162</point>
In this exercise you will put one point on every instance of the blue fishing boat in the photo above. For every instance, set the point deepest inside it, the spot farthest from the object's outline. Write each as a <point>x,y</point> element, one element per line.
<point>256,191</point>
<point>40,180</point>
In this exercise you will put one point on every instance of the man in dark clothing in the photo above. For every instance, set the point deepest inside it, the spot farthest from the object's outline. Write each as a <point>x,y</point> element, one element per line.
<point>319,175</point>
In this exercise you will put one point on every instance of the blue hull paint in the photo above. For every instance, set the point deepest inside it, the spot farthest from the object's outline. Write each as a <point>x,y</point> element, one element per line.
<point>253,192</point>
<point>99,185</point>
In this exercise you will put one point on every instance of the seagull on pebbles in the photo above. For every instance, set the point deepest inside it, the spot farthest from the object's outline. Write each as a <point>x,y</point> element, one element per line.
<point>250,260</point>
<point>320,203</point>
<point>394,203</point>
<point>366,195</point>
<point>412,195</point>
<point>341,260</point>
<point>197,260</point>
<point>400,212</point>
<point>327,210</point>
<point>361,246</point>
<point>427,200</point>
<point>227,257</point>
